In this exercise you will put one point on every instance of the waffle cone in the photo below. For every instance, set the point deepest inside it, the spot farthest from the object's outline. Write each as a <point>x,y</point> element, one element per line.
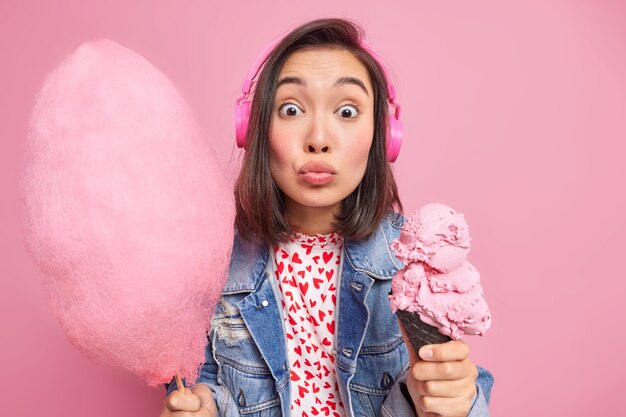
<point>418,332</point>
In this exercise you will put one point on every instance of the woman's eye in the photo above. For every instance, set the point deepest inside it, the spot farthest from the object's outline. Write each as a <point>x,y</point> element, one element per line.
<point>290,110</point>
<point>347,112</point>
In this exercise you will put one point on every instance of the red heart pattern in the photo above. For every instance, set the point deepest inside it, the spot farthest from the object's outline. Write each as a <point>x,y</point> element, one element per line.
<point>307,310</point>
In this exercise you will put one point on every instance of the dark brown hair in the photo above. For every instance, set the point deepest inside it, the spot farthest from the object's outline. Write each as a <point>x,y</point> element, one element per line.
<point>260,203</point>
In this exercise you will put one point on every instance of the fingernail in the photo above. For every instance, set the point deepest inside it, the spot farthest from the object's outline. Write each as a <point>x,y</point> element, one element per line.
<point>426,353</point>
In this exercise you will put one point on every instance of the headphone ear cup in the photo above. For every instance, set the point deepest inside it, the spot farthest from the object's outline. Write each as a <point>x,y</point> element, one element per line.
<point>394,141</point>
<point>242,119</point>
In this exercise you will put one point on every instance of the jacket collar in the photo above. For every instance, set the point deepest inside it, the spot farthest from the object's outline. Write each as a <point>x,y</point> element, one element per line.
<point>248,261</point>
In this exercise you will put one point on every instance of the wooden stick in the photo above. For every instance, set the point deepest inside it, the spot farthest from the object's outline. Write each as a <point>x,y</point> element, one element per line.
<point>179,383</point>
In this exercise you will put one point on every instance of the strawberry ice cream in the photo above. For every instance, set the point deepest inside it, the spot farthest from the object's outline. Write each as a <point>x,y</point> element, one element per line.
<point>438,285</point>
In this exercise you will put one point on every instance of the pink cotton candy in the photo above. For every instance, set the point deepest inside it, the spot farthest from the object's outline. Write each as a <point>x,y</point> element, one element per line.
<point>127,213</point>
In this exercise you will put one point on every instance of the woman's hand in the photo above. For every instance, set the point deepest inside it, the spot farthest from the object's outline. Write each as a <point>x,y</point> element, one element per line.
<point>443,382</point>
<point>195,402</point>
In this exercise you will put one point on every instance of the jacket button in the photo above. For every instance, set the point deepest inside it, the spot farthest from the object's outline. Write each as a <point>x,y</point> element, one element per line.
<point>386,381</point>
<point>264,303</point>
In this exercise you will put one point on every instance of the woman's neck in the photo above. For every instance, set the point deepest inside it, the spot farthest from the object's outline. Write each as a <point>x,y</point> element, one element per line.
<point>311,220</point>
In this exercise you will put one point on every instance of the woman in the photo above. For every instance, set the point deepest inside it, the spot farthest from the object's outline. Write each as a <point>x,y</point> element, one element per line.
<point>304,326</point>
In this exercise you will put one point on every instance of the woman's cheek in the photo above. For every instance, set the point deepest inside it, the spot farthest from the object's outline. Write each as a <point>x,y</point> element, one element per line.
<point>362,147</point>
<point>279,152</point>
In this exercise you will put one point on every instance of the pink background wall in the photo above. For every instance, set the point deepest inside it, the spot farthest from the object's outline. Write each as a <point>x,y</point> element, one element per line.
<point>515,114</point>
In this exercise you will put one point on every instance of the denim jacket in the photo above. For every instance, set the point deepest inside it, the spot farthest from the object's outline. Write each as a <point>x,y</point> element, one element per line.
<point>246,365</point>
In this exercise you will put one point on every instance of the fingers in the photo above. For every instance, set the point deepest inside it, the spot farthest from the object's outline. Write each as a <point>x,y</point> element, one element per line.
<point>445,361</point>
<point>179,401</point>
<point>206,396</point>
<point>447,389</point>
<point>444,381</point>
<point>455,350</point>
<point>452,404</point>
<point>446,371</point>
<point>452,407</point>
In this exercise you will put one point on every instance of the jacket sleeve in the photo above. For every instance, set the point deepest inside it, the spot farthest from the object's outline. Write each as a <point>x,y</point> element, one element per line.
<point>208,376</point>
<point>397,404</point>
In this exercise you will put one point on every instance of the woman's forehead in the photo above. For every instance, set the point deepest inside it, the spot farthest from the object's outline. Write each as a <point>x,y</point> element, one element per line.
<point>324,63</point>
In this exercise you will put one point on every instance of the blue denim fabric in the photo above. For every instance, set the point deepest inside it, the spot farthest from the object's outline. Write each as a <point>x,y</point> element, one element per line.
<point>246,356</point>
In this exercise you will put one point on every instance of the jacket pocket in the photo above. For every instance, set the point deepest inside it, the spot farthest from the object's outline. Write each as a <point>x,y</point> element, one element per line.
<point>378,367</point>
<point>252,388</point>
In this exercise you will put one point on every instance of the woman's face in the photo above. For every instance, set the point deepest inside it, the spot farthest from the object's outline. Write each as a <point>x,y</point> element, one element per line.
<point>322,128</point>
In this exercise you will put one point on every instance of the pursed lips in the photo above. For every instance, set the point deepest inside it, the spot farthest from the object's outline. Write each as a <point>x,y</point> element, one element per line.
<point>317,173</point>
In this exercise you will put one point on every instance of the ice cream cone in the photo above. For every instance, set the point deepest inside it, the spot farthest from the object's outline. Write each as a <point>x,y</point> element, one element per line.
<point>418,332</point>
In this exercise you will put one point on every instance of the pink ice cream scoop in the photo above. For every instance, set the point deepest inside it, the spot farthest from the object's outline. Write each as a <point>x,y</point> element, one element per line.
<point>127,213</point>
<point>438,283</point>
<point>436,235</point>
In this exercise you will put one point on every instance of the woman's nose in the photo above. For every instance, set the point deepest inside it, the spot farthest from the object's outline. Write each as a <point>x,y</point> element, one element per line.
<point>319,137</point>
<point>317,149</point>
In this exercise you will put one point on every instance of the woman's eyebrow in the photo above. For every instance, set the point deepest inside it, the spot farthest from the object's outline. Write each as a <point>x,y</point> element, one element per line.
<point>339,82</point>
<point>352,80</point>
<point>291,80</point>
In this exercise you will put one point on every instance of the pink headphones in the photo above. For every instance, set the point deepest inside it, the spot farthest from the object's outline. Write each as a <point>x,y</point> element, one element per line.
<point>243,105</point>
